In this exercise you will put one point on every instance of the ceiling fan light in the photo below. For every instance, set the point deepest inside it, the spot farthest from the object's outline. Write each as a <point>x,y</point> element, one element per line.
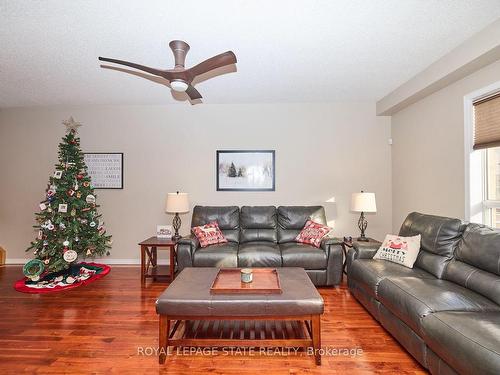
<point>179,86</point>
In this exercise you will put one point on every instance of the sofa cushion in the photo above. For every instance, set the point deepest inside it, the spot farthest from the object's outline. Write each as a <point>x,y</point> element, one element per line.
<point>259,254</point>
<point>411,299</point>
<point>228,218</point>
<point>301,255</point>
<point>220,255</point>
<point>440,236</point>
<point>258,223</point>
<point>477,261</point>
<point>209,234</point>
<point>291,220</point>
<point>313,233</point>
<point>398,249</point>
<point>368,273</point>
<point>467,341</point>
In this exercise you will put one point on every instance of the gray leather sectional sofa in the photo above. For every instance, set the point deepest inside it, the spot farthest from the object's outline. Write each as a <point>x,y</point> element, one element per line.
<point>263,236</point>
<point>446,310</point>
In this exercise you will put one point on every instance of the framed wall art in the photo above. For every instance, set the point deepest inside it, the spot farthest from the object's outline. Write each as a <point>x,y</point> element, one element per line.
<point>105,169</point>
<point>245,170</point>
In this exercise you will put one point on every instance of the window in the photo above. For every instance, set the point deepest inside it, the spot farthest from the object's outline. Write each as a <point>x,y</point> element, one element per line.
<point>491,171</point>
<point>486,143</point>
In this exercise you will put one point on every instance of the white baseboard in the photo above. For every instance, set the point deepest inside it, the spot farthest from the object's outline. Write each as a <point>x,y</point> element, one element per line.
<point>134,261</point>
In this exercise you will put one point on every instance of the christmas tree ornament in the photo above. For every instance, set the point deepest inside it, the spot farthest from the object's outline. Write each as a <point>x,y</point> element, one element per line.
<point>46,261</point>
<point>70,192</point>
<point>58,174</point>
<point>50,193</point>
<point>90,198</point>
<point>76,186</point>
<point>73,212</point>
<point>86,184</point>
<point>70,256</point>
<point>34,268</point>
<point>40,235</point>
<point>62,225</point>
<point>78,195</point>
<point>77,239</point>
<point>92,224</point>
<point>49,209</point>
<point>43,206</point>
<point>89,252</point>
<point>71,125</point>
<point>63,208</point>
<point>66,243</point>
<point>79,176</point>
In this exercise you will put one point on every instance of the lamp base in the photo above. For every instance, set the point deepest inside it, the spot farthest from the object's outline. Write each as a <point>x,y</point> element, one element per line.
<point>362,224</point>
<point>176,223</point>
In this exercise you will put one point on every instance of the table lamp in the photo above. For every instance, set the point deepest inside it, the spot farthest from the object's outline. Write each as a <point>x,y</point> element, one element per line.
<point>177,203</point>
<point>363,202</point>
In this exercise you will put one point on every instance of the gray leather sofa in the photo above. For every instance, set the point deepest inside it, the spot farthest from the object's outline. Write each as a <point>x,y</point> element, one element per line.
<point>263,236</point>
<point>446,310</point>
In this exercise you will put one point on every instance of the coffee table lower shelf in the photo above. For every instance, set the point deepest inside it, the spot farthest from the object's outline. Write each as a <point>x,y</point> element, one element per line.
<point>273,331</point>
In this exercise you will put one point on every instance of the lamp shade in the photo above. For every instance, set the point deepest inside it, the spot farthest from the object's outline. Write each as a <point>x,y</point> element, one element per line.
<point>363,202</point>
<point>177,203</point>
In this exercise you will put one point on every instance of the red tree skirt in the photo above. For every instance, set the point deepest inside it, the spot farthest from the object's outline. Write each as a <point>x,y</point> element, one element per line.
<point>77,275</point>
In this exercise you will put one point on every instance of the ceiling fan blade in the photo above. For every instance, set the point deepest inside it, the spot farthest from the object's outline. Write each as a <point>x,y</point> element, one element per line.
<point>158,72</point>
<point>226,58</point>
<point>193,93</point>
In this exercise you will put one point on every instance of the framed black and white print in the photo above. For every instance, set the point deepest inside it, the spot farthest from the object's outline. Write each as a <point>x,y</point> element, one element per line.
<point>105,169</point>
<point>245,170</point>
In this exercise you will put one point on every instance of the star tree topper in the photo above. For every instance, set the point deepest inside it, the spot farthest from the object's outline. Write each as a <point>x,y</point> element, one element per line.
<point>71,125</point>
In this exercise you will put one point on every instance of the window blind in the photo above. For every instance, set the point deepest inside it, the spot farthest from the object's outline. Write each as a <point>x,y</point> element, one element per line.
<point>487,122</point>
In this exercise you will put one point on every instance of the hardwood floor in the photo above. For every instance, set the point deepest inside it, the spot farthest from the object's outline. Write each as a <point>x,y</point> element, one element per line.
<point>110,326</point>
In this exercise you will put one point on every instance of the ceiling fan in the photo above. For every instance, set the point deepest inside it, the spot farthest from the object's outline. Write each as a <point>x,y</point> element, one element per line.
<point>179,77</point>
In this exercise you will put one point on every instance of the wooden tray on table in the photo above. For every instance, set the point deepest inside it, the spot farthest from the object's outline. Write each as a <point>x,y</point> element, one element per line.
<point>228,281</point>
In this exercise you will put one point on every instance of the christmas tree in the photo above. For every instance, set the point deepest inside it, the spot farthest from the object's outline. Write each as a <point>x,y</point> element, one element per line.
<point>69,226</point>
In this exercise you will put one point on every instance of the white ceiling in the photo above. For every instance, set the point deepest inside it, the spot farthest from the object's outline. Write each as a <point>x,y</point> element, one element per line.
<point>288,50</point>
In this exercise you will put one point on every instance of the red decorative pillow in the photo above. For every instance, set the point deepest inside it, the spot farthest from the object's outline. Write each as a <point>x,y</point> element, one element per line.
<point>209,234</point>
<point>313,233</point>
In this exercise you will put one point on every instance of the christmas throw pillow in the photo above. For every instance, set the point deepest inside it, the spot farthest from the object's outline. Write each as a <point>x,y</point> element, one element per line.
<point>209,234</point>
<point>401,250</point>
<point>312,233</point>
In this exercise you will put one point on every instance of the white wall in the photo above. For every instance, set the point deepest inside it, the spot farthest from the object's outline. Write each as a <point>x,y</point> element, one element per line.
<point>322,150</point>
<point>428,150</point>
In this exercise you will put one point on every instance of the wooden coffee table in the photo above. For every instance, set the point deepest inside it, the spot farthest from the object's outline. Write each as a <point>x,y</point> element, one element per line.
<point>192,316</point>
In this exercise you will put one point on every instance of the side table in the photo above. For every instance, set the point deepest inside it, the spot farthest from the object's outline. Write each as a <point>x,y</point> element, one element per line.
<point>346,244</point>
<point>149,258</point>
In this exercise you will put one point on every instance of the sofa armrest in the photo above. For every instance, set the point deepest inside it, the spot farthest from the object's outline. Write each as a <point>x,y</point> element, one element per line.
<point>361,250</point>
<point>327,241</point>
<point>186,246</point>
<point>365,250</point>
<point>333,249</point>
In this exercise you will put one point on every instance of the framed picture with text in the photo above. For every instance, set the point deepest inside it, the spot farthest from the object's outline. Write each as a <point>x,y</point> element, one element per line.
<point>245,170</point>
<point>105,169</point>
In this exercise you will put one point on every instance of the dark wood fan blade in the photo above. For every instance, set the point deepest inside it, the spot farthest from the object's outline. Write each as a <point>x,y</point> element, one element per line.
<point>157,72</point>
<point>193,93</point>
<point>226,58</point>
